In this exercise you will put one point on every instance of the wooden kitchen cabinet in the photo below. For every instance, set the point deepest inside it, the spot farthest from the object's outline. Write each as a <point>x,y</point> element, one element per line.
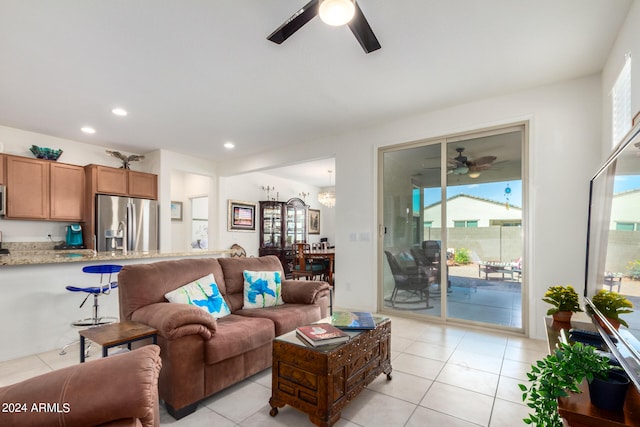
<point>2,178</point>
<point>44,189</point>
<point>110,180</point>
<point>143,185</point>
<point>27,188</point>
<point>121,182</point>
<point>67,192</point>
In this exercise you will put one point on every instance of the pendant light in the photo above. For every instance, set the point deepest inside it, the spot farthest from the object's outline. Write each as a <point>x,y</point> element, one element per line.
<point>328,196</point>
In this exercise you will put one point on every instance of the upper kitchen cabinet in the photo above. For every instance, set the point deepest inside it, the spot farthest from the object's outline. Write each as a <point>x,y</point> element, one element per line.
<point>2,179</point>
<point>27,188</point>
<point>121,182</point>
<point>143,185</point>
<point>67,192</point>
<point>43,189</point>
<point>108,180</point>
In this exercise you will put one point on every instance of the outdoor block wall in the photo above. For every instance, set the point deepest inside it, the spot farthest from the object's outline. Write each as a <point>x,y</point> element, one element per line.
<point>494,243</point>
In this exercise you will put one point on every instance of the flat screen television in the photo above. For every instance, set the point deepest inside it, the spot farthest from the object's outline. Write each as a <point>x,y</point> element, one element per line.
<point>613,243</point>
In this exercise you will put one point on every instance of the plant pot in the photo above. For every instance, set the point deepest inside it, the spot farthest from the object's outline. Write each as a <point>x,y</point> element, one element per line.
<point>562,316</point>
<point>609,394</point>
<point>614,322</point>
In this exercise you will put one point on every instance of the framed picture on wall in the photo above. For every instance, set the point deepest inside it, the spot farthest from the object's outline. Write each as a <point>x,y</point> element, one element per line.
<point>176,211</point>
<point>314,221</point>
<point>241,216</point>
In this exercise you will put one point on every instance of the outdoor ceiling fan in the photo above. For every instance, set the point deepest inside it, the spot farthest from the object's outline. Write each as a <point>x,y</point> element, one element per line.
<point>332,12</point>
<point>461,165</point>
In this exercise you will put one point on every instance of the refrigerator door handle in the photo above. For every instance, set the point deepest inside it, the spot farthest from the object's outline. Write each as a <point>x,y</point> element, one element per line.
<point>131,225</point>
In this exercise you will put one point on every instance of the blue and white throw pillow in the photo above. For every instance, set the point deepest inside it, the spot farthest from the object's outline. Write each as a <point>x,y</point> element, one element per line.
<point>203,293</point>
<point>262,289</point>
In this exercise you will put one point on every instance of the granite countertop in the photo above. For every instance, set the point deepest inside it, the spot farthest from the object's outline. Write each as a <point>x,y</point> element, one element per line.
<point>43,253</point>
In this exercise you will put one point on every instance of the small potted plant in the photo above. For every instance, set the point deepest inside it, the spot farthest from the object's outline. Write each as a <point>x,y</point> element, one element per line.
<point>612,305</point>
<point>558,375</point>
<point>565,302</point>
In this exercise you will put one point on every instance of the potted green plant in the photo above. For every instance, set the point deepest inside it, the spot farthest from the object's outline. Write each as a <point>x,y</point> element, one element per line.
<point>565,302</point>
<point>558,375</point>
<point>612,305</point>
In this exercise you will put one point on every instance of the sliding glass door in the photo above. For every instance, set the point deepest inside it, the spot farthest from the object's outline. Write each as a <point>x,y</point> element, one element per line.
<point>452,212</point>
<point>409,279</point>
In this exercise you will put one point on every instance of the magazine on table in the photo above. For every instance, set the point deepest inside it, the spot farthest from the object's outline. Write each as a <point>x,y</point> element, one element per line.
<point>353,320</point>
<point>321,334</point>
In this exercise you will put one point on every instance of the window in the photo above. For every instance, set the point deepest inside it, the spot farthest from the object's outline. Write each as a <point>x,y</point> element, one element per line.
<point>506,223</point>
<point>466,224</point>
<point>627,226</point>
<point>621,103</point>
<point>200,222</point>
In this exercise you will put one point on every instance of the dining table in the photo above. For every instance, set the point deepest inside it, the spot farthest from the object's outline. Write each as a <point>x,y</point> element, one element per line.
<point>323,254</point>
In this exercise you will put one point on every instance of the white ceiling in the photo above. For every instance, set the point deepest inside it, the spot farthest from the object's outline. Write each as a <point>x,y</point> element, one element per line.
<point>194,74</point>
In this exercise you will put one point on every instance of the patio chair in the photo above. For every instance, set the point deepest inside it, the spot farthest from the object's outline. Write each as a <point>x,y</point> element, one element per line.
<point>410,281</point>
<point>428,258</point>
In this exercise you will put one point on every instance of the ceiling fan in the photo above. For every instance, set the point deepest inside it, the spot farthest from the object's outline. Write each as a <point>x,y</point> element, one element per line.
<point>461,165</point>
<point>358,24</point>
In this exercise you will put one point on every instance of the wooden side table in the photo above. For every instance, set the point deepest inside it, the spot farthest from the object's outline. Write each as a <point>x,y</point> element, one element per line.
<point>577,409</point>
<point>115,334</point>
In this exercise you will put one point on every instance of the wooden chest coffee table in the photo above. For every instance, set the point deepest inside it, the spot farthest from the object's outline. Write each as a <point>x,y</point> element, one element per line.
<point>320,381</point>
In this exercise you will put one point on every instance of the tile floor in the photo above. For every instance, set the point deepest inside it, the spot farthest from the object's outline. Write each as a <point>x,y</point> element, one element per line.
<point>442,376</point>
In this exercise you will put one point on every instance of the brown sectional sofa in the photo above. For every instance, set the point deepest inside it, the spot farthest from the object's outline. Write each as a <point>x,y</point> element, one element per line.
<point>202,355</point>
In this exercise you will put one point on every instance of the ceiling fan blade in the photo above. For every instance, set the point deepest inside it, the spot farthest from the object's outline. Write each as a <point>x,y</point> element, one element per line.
<point>483,167</point>
<point>363,32</point>
<point>486,160</point>
<point>293,24</point>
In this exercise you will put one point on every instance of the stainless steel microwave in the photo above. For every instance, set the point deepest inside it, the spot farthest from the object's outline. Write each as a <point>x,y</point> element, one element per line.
<point>3,200</point>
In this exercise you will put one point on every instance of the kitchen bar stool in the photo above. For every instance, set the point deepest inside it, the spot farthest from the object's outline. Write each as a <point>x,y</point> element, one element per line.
<point>104,288</point>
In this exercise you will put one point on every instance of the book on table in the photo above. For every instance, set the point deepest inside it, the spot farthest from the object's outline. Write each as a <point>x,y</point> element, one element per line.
<point>353,320</point>
<point>321,334</point>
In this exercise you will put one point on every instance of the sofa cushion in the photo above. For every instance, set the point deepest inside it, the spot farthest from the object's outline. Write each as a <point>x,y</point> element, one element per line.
<point>236,335</point>
<point>203,293</point>
<point>262,289</point>
<point>143,284</point>
<point>234,279</point>
<point>286,317</point>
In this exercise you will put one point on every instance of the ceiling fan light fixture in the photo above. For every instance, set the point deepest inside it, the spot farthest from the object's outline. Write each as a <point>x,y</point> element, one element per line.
<point>474,174</point>
<point>337,12</point>
<point>461,170</point>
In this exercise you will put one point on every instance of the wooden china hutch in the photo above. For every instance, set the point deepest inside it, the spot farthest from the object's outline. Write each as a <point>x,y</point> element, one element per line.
<point>281,225</point>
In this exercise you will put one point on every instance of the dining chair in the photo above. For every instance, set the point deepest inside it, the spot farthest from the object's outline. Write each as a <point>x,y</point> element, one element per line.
<point>304,267</point>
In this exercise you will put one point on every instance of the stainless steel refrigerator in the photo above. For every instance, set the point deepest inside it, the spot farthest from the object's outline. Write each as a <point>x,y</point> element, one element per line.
<point>126,223</point>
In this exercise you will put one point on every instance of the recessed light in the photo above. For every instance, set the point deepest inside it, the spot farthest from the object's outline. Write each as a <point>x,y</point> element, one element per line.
<point>119,111</point>
<point>88,129</point>
<point>229,145</point>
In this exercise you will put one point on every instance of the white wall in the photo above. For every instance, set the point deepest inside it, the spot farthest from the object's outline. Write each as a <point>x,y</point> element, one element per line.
<point>564,123</point>
<point>184,186</point>
<point>628,42</point>
<point>168,163</point>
